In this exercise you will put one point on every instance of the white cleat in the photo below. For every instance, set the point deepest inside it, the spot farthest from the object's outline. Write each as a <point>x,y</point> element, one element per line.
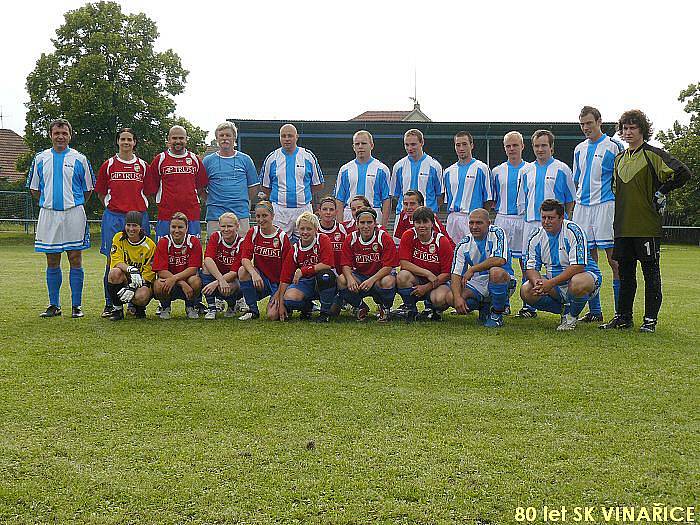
<point>192,312</point>
<point>211,314</point>
<point>568,323</point>
<point>164,313</point>
<point>241,306</point>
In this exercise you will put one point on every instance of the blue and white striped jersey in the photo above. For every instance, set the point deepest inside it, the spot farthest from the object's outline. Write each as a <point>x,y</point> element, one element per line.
<point>289,176</point>
<point>558,252</point>
<point>424,174</point>
<point>552,180</point>
<point>61,178</point>
<point>594,163</point>
<point>467,186</point>
<point>471,251</point>
<point>370,179</point>
<point>506,181</point>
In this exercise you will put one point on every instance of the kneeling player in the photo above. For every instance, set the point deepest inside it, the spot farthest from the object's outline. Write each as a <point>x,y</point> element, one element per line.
<point>425,258</point>
<point>572,276</point>
<point>264,248</point>
<point>222,259</point>
<point>177,262</point>
<point>482,276</point>
<point>307,272</point>
<point>131,275</point>
<point>369,257</point>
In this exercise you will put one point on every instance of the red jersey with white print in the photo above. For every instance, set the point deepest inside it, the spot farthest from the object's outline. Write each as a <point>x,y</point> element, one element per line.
<point>177,257</point>
<point>405,223</point>
<point>368,257</point>
<point>226,256</point>
<point>266,252</point>
<point>337,236</point>
<point>319,251</point>
<point>122,184</point>
<point>175,180</point>
<point>434,255</point>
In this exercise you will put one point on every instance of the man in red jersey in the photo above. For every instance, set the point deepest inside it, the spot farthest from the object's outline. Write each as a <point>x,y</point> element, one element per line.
<point>177,262</point>
<point>178,179</point>
<point>412,199</point>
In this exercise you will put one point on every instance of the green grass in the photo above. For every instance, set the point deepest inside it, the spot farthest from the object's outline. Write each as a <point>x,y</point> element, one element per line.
<point>225,422</point>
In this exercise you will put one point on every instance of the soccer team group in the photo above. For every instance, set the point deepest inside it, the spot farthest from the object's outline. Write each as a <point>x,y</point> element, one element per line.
<point>344,252</point>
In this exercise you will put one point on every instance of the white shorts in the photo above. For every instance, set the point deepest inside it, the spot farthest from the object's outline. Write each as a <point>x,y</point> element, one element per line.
<point>243,227</point>
<point>563,289</point>
<point>62,231</point>
<point>513,226</point>
<point>457,225</point>
<point>597,222</point>
<point>528,228</point>
<point>286,218</point>
<point>480,285</point>
<point>347,214</point>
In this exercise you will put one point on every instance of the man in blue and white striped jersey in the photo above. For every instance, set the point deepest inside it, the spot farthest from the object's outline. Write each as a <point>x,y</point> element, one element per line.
<point>417,171</point>
<point>365,176</point>
<point>62,179</point>
<point>467,187</point>
<point>594,162</point>
<point>289,177</point>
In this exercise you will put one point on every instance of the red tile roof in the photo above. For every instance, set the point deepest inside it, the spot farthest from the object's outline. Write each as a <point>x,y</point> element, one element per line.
<point>11,147</point>
<point>382,115</point>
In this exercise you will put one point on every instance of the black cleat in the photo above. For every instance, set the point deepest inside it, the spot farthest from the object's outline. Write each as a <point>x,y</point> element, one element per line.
<point>429,315</point>
<point>117,314</point>
<point>323,318</point>
<point>590,317</point>
<point>648,326</point>
<point>107,312</point>
<point>77,312</point>
<point>51,311</point>
<point>617,322</point>
<point>526,313</point>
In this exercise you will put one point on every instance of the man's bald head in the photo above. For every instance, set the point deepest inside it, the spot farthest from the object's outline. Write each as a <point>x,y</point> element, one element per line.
<point>289,137</point>
<point>479,223</point>
<point>480,213</point>
<point>177,130</point>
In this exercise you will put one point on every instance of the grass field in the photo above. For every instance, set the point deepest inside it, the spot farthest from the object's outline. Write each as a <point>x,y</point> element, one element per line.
<point>225,422</point>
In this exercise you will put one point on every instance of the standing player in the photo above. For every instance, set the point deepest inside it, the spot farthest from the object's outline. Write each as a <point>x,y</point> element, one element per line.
<point>120,188</point>
<point>263,250</point>
<point>62,180</point>
<point>369,258</point>
<point>507,178</point>
<point>482,276</point>
<point>642,178</point>
<point>417,171</point>
<point>307,272</point>
<point>130,279</point>
<point>594,162</point>
<point>178,179</point>
<point>365,176</point>
<point>289,177</point>
<point>571,278</point>
<point>333,229</point>
<point>545,178</point>
<point>412,200</point>
<point>177,262</point>
<point>233,180</point>
<point>222,259</point>
<point>467,186</point>
<point>425,258</point>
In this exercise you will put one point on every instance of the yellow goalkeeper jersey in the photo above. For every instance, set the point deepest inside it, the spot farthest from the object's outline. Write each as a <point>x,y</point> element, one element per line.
<point>139,255</point>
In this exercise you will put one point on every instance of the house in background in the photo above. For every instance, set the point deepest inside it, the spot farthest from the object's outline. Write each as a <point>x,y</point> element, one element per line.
<point>11,147</point>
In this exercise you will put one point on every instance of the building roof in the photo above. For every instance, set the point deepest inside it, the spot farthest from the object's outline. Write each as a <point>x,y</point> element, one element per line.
<point>11,147</point>
<point>414,115</point>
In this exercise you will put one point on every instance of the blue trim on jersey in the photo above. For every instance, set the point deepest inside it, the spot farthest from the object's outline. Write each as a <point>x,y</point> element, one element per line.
<point>461,181</point>
<point>77,182</point>
<point>40,171</point>
<point>290,177</point>
<point>415,169</point>
<point>512,184</point>
<point>608,167</point>
<point>362,176</point>
<point>307,177</point>
<point>343,187</point>
<point>274,185</point>
<point>540,179</point>
<point>554,254</point>
<point>57,178</point>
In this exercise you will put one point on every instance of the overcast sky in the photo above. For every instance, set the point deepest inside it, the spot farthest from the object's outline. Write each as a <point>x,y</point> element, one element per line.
<point>331,60</point>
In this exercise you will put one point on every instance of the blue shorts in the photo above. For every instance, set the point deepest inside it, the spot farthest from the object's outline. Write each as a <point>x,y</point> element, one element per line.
<point>269,288</point>
<point>113,222</point>
<point>208,278</point>
<point>163,229</point>
<point>307,286</point>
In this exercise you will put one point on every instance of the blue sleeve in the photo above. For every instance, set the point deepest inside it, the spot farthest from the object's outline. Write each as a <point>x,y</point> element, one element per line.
<point>343,186</point>
<point>577,169</point>
<point>381,189</point>
<point>435,181</point>
<point>561,188</point>
<point>250,172</point>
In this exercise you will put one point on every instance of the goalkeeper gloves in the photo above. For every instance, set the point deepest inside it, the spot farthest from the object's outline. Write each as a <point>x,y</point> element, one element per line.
<point>126,294</point>
<point>660,202</point>
<point>135,276</point>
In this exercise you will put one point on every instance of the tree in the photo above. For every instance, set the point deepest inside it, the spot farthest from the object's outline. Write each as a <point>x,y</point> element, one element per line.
<point>105,74</point>
<point>683,142</point>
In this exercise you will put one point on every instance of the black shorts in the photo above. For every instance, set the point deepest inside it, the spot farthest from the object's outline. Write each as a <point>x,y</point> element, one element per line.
<point>637,248</point>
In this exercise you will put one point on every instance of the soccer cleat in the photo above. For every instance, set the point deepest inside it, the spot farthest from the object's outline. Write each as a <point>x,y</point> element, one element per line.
<point>429,315</point>
<point>140,312</point>
<point>648,326</point>
<point>192,312</point>
<point>51,311</point>
<point>362,313</point>
<point>315,306</point>
<point>305,315</point>
<point>211,313</point>
<point>164,313</point>
<point>241,306</point>
<point>77,312</point>
<point>117,314</point>
<point>107,312</point>
<point>568,323</point>
<point>526,313</point>
<point>248,316</point>
<point>323,318</point>
<point>590,317</point>
<point>495,320</point>
<point>200,308</point>
<point>230,312</point>
<point>220,305</point>
<point>507,310</point>
<point>159,309</point>
<point>617,322</point>
<point>383,316</point>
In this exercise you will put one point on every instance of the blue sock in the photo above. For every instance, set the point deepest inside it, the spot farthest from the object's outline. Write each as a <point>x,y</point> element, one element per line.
<point>548,304</point>
<point>499,296</point>
<point>105,282</point>
<point>616,291</point>
<point>76,276</point>
<point>577,303</point>
<point>387,296</point>
<point>54,278</point>
<point>251,296</point>
<point>472,303</point>
<point>408,299</point>
<point>326,297</point>
<point>351,298</point>
<point>593,305</point>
